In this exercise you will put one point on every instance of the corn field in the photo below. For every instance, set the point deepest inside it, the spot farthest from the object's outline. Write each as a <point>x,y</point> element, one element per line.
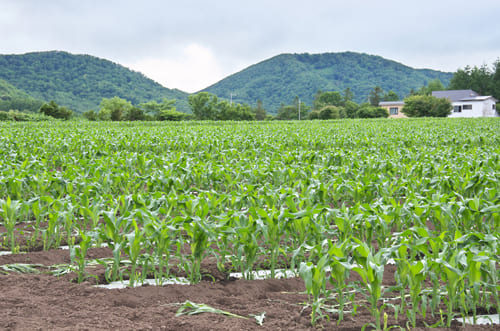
<point>325,199</point>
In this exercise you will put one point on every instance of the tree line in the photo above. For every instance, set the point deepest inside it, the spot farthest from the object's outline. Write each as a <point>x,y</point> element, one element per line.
<point>326,104</point>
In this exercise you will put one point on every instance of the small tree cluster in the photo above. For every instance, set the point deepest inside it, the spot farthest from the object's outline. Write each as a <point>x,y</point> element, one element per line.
<point>332,105</point>
<point>426,106</point>
<point>52,109</point>
<point>207,106</point>
<point>118,109</point>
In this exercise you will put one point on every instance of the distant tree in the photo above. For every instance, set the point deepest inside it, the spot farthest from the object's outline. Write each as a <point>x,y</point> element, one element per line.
<point>323,99</point>
<point>91,115</point>
<point>313,115</point>
<point>170,115</point>
<point>477,79</point>
<point>294,111</point>
<point>426,106</point>
<point>434,85</point>
<point>350,109</point>
<point>242,112</point>
<point>154,108</point>
<point>52,109</point>
<point>114,109</point>
<point>260,112</point>
<point>366,110</point>
<point>203,105</point>
<point>390,96</point>
<point>495,80</point>
<point>376,96</point>
<point>329,112</point>
<point>348,95</point>
<point>135,114</point>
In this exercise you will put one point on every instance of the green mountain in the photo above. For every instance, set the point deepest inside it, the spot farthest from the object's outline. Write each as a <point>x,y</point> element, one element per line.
<point>281,78</point>
<point>79,82</point>
<point>12,98</point>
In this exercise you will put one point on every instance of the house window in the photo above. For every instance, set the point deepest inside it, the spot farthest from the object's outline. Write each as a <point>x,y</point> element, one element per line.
<point>393,110</point>
<point>467,107</point>
<point>457,109</point>
<point>493,106</point>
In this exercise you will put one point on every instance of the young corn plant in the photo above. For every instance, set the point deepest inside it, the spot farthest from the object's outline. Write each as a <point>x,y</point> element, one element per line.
<point>39,209</point>
<point>78,254</point>
<point>133,246</point>
<point>371,269</point>
<point>161,234</point>
<point>246,247</point>
<point>474,261</point>
<point>9,210</point>
<point>113,234</point>
<point>272,226</point>
<point>199,238</point>
<point>314,277</point>
<point>339,271</point>
<point>417,273</point>
<point>453,275</point>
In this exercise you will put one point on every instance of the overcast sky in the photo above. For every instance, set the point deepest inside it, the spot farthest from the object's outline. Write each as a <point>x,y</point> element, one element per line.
<point>191,44</point>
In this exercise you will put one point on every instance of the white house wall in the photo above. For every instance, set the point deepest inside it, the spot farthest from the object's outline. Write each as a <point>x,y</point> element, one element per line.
<point>479,109</point>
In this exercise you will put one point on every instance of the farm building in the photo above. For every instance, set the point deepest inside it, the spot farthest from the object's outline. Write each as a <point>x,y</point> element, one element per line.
<point>393,108</point>
<point>467,103</point>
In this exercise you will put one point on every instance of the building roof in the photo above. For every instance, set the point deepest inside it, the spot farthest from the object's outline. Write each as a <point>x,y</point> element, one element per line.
<point>479,98</point>
<point>455,95</point>
<point>391,103</point>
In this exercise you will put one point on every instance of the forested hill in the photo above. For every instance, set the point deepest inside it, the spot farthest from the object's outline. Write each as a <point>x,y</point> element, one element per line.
<point>12,98</point>
<point>79,82</point>
<point>281,78</point>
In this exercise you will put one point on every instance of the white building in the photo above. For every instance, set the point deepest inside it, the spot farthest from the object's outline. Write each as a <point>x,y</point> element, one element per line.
<point>467,103</point>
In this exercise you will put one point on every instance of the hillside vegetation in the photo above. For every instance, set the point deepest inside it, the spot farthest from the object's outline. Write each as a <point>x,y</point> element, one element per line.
<point>12,98</point>
<point>281,78</point>
<point>80,82</point>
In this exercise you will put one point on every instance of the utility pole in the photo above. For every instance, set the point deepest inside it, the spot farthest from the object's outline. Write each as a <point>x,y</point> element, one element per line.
<point>299,109</point>
<point>231,103</point>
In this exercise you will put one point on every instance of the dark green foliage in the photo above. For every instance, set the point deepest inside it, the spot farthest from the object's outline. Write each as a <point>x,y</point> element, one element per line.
<point>426,106</point>
<point>323,99</point>
<point>260,112</point>
<point>294,111</point>
<point>366,110</point>
<point>482,80</point>
<point>282,77</point>
<point>14,115</point>
<point>52,109</point>
<point>91,115</point>
<point>376,96</point>
<point>203,105</point>
<point>329,112</point>
<point>207,106</point>
<point>313,115</point>
<point>390,96</point>
<point>135,114</point>
<point>171,115</point>
<point>350,109</point>
<point>12,98</point>
<point>80,82</point>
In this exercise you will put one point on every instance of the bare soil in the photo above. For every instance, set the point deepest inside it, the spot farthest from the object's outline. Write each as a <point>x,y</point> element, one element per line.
<point>43,301</point>
<point>46,302</point>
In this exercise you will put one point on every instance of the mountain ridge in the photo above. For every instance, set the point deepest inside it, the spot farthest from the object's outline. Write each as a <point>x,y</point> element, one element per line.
<point>80,81</point>
<point>287,75</point>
